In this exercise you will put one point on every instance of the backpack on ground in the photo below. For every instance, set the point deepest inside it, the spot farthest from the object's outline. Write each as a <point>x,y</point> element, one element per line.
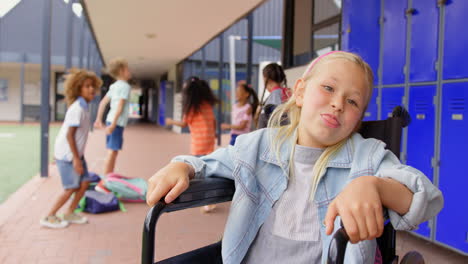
<point>95,202</point>
<point>127,189</point>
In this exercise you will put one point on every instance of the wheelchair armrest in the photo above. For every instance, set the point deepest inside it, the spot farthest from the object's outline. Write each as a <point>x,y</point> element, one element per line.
<point>200,192</point>
<point>203,192</point>
<point>337,249</point>
<point>386,243</point>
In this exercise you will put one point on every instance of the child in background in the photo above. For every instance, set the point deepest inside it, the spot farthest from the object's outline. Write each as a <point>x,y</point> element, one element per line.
<point>276,85</point>
<point>198,101</point>
<point>296,182</point>
<point>242,111</point>
<point>117,118</point>
<point>80,88</point>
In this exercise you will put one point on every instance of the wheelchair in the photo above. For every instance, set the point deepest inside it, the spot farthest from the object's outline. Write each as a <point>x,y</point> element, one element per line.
<point>218,190</point>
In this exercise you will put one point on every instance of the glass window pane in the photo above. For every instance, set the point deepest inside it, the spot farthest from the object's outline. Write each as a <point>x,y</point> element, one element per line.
<point>324,9</point>
<point>326,39</point>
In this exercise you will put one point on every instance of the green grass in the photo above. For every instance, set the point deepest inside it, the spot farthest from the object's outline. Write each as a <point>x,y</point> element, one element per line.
<point>20,155</point>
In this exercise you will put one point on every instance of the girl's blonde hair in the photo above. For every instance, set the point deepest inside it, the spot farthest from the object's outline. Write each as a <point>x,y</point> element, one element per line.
<point>289,111</point>
<point>115,66</point>
<point>75,80</point>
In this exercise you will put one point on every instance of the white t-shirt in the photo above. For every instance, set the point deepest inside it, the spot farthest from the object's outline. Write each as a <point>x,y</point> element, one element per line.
<point>117,91</point>
<point>291,233</point>
<point>77,116</point>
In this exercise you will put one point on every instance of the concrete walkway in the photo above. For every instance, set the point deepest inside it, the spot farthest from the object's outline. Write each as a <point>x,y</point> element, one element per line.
<point>116,237</point>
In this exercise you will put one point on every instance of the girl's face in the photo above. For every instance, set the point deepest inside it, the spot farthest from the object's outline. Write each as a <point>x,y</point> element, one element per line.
<point>241,94</point>
<point>332,103</point>
<point>87,90</point>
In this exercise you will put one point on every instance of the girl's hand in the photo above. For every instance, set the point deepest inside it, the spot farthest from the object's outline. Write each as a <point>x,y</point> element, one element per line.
<point>110,129</point>
<point>360,208</point>
<point>78,166</point>
<point>225,126</point>
<point>168,121</point>
<point>98,124</point>
<point>170,181</point>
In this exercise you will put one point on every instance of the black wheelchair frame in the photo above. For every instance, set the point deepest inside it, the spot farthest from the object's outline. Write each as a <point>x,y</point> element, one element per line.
<point>218,190</point>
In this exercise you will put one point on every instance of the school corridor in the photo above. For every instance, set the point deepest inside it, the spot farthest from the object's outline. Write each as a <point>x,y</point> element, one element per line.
<point>116,237</point>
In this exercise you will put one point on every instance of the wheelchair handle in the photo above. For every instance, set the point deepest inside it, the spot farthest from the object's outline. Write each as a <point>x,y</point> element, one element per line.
<point>337,249</point>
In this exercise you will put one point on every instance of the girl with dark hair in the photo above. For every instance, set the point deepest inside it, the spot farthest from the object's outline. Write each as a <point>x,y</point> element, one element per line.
<point>242,112</point>
<point>197,113</point>
<point>276,85</point>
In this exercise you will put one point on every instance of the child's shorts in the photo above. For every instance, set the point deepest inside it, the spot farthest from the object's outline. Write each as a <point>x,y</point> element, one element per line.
<point>70,178</point>
<point>114,141</point>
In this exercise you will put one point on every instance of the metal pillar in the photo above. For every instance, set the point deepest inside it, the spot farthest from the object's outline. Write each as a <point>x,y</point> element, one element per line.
<point>88,56</point>
<point>82,40</point>
<point>249,47</point>
<point>69,38</point>
<point>220,86</point>
<point>22,88</point>
<point>203,63</point>
<point>45,86</point>
<point>232,67</point>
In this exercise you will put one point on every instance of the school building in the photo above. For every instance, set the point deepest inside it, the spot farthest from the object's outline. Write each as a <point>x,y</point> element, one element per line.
<point>416,48</point>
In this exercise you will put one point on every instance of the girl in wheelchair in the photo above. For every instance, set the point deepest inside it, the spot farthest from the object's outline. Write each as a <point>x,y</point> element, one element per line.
<point>296,182</point>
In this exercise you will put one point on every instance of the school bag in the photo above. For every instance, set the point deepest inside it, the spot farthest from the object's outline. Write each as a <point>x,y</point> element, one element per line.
<point>127,189</point>
<point>94,179</point>
<point>95,202</point>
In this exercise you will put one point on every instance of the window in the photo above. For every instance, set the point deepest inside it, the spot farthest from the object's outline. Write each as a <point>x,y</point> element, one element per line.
<point>319,19</point>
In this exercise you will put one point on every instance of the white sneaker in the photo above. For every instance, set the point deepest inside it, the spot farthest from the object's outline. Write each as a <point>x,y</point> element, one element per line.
<point>75,218</point>
<point>53,222</point>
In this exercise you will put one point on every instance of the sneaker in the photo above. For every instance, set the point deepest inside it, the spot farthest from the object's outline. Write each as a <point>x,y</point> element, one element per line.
<point>75,218</point>
<point>100,187</point>
<point>53,222</point>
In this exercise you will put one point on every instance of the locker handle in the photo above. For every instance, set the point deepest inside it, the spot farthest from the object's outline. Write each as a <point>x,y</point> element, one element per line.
<point>410,11</point>
<point>441,2</point>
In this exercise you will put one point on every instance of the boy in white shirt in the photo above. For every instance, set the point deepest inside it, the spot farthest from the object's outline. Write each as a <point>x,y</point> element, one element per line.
<point>80,89</point>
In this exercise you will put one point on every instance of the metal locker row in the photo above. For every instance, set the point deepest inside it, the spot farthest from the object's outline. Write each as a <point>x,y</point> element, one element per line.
<point>420,143</point>
<point>422,44</point>
<point>371,111</point>
<point>452,221</point>
<point>424,37</point>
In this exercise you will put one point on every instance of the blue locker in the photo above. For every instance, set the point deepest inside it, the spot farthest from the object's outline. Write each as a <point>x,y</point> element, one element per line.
<point>162,103</point>
<point>394,42</point>
<point>391,97</point>
<point>424,37</point>
<point>452,225</point>
<point>420,144</point>
<point>456,40</point>
<point>371,111</point>
<point>360,32</point>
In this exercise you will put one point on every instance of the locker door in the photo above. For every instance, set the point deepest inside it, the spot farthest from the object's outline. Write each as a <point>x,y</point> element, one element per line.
<point>371,111</point>
<point>420,142</point>
<point>456,40</point>
<point>361,30</point>
<point>452,225</point>
<point>394,42</point>
<point>424,37</point>
<point>391,97</point>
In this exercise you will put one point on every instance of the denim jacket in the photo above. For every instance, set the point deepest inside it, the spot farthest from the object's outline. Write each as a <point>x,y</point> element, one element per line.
<point>261,178</point>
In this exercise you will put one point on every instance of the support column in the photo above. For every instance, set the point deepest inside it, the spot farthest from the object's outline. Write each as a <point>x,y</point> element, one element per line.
<point>45,86</point>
